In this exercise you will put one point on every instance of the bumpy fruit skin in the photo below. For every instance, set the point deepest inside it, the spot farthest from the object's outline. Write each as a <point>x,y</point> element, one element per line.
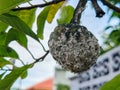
<point>74,47</point>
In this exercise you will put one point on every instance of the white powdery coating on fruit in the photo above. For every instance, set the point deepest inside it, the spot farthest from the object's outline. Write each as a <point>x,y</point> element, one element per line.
<point>75,49</point>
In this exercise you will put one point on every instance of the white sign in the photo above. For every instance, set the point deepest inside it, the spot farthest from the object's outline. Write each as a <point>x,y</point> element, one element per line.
<point>107,66</point>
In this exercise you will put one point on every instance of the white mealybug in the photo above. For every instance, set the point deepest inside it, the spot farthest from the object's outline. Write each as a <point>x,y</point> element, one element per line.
<point>73,47</point>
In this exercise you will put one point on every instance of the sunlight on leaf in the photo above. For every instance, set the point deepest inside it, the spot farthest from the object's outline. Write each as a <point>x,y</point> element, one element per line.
<point>53,10</point>
<point>66,15</point>
<point>28,16</point>
<point>41,21</point>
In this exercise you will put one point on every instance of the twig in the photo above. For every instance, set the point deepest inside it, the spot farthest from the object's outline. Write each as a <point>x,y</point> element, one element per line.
<point>115,8</point>
<point>38,5</point>
<point>39,59</point>
<point>21,61</point>
<point>42,46</point>
<point>98,10</point>
<point>31,53</point>
<point>42,58</point>
<point>30,3</point>
<point>78,11</point>
<point>45,1</point>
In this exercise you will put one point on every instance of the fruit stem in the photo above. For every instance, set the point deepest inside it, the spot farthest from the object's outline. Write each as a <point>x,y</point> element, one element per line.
<point>78,11</point>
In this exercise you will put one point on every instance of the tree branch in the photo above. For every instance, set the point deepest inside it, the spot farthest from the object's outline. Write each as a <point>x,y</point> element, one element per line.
<point>42,46</point>
<point>42,58</point>
<point>31,54</point>
<point>78,11</point>
<point>21,61</point>
<point>98,10</point>
<point>115,8</point>
<point>38,5</point>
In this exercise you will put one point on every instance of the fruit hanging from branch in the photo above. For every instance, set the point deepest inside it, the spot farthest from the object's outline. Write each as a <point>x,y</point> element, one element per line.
<point>74,47</point>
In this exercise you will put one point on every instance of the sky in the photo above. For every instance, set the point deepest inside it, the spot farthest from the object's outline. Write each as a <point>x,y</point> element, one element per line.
<point>45,69</point>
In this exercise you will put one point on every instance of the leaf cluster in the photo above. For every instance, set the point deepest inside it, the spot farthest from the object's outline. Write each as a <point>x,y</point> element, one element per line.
<point>16,26</point>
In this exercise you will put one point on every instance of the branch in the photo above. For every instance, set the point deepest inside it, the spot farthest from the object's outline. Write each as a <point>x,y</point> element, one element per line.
<point>42,58</point>
<point>105,2</point>
<point>38,5</point>
<point>42,46</point>
<point>30,54</point>
<point>78,11</point>
<point>98,10</point>
<point>39,59</point>
<point>21,61</point>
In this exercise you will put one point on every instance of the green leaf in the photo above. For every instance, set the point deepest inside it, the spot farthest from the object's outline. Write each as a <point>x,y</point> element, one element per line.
<point>41,21</point>
<point>114,36</point>
<point>3,26</point>
<point>7,52</point>
<point>17,35</point>
<point>2,74</point>
<point>9,79</point>
<point>18,24</point>
<point>4,62</point>
<point>6,5</point>
<point>114,14</point>
<point>118,88</point>
<point>2,38</point>
<point>28,16</point>
<point>53,10</point>
<point>66,15</point>
<point>113,84</point>
<point>24,75</point>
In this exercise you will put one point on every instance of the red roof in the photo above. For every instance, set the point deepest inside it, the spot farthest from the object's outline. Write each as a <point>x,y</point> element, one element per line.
<point>45,85</point>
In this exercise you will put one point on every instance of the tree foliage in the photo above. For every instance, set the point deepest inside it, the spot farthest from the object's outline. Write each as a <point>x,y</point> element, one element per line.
<point>62,87</point>
<point>112,40</point>
<point>111,32</point>
<point>16,24</point>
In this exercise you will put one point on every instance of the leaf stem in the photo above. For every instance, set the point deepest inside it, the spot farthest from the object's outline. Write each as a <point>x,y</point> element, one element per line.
<point>45,1</point>
<point>21,61</point>
<point>30,3</point>
<point>31,54</point>
<point>42,46</point>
